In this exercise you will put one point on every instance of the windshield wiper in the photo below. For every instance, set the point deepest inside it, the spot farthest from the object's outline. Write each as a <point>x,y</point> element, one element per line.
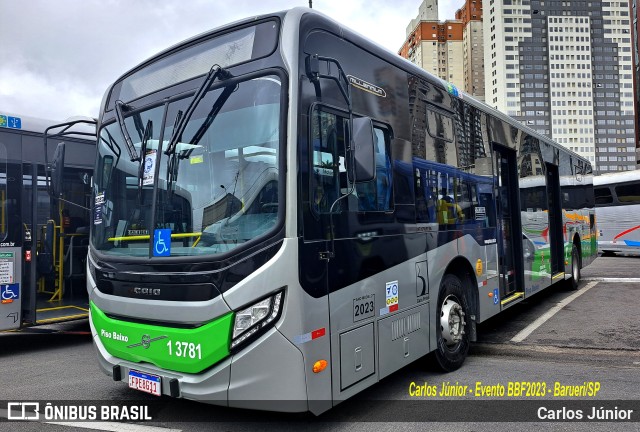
<point>123,127</point>
<point>137,121</point>
<point>215,109</point>
<point>182,120</point>
<point>146,136</point>
<point>175,156</point>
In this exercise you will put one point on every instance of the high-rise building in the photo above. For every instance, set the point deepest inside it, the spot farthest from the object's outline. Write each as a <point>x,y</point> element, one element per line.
<point>428,11</point>
<point>473,45</point>
<point>635,35</point>
<point>453,49</point>
<point>564,68</point>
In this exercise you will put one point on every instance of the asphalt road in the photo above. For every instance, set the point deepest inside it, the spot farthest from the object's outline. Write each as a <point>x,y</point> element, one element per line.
<point>593,336</point>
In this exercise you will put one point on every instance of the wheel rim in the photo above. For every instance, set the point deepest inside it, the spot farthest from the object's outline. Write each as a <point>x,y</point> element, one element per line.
<point>451,321</point>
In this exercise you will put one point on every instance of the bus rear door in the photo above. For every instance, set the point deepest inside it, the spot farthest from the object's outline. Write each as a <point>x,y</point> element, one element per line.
<point>509,225</point>
<point>556,238</point>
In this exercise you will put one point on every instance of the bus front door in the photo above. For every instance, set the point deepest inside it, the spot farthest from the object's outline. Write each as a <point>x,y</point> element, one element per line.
<point>509,224</point>
<point>12,290</point>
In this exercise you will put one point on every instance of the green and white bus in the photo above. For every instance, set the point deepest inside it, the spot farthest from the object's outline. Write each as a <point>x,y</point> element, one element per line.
<point>285,213</point>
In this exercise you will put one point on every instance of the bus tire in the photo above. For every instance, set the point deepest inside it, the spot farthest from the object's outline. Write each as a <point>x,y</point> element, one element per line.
<point>452,324</point>
<point>574,281</point>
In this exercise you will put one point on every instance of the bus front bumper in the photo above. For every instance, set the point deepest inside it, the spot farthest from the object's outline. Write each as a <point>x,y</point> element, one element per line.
<point>266,375</point>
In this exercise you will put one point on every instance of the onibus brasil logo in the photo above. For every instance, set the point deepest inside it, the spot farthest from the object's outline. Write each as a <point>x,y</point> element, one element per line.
<point>33,411</point>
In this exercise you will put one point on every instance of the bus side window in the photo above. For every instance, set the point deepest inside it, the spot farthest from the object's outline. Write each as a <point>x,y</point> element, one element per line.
<point>425,205</point>
<point>466,199</point>
<point>603,195</point>
<point>448,210</point>
<point>486,202</point>
<point>329,179</point>
<point>327,163</point>
<point>628,193</point>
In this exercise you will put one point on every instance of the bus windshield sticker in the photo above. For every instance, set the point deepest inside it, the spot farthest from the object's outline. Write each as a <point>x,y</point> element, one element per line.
<point>99,198</point>
<point>162,242</point>
<point>480,213</point>
<point>149,168</point>
<point>97,208</point>
<point>97,215</point>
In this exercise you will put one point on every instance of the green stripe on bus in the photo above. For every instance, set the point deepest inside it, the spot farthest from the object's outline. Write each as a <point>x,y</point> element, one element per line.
<point>177,349</point>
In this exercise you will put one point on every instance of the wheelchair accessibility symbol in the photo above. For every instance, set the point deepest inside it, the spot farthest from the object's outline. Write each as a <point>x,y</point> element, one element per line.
<point>162,242</point>
<point>9,293</point>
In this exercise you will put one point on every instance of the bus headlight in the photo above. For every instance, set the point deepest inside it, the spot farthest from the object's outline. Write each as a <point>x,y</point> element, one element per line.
<point>248,322</point>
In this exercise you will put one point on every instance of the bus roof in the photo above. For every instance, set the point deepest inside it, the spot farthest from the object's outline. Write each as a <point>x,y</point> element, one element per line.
<point>39,125</point>
<point>615,178</point>
<point>391,57</point>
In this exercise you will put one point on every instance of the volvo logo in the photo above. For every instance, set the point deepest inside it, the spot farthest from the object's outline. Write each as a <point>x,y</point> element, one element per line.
<point>146,341</point>
<point>146,291</point>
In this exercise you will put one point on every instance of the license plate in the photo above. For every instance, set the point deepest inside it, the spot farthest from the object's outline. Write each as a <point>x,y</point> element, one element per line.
<point>145,382</point>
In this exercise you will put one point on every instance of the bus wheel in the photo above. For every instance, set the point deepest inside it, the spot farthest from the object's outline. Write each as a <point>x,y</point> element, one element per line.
<point>452,329</point>
<point>575,268</point>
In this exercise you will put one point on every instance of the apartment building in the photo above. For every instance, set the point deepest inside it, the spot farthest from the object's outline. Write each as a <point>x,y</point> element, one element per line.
<point>470,14</point>
<point>635,32</point>
<point>564,68</point>
<point>453,49</point>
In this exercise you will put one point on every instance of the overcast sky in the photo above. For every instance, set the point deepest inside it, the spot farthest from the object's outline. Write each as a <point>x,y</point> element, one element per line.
<point>57,57</point>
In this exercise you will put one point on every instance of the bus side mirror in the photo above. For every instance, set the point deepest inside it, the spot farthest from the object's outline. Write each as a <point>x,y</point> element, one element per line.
<point>56,170</point>
<point>364,151</point>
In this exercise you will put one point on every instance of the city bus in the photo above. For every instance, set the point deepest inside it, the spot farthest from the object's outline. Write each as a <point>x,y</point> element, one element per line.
<point>43,240</point>
<point>349,213</point>
<point>617,209</point>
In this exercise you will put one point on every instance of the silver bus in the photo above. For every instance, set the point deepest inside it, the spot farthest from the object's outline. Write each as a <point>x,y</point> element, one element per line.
<point>43,240</point>
<point>347,214</point>
<point>618,212</point>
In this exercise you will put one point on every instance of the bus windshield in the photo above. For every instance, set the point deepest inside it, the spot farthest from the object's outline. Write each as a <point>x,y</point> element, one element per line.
<point>215,190</point>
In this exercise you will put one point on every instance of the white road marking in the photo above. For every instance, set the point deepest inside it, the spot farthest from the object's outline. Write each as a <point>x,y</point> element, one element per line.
<point>606,279</point>
<point>524,333</point>
<point>115,427</point>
